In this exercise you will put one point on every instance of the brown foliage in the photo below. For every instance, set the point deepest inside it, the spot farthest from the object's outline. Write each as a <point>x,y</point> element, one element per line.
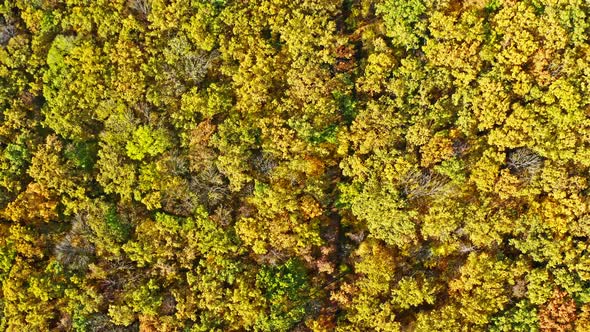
<point>559,314</point>
<point>32,205</point>
<point>345,60</point>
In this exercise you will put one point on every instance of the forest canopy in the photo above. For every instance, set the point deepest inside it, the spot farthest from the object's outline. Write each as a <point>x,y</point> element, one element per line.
<point>295,165</point>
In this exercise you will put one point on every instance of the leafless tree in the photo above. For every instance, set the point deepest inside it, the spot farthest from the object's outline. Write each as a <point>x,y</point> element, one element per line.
<point>168,306</point>
<point>176,201</point>
<point>272,257</point>
<point>7,31</point>
<point>101,322</point>
<point>525,163</point>
<point>555,69</point>
<point>223,215</point>
<point>424,183</point>
<point>196,65</point>
<point>263,163</point>
<point>177,163</point>
<point>75,251</point>
<point>142,7</point>
<point>466,248</point>
<point>209,185</point>
<point>356,237</point>
<point>459,147</point>
<point>144,111</point>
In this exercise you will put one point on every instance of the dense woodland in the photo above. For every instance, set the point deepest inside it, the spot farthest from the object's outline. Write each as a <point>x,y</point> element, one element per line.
<point>295,165</point>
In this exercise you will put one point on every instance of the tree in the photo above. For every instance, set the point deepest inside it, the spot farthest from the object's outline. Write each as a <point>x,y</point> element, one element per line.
<point>286,288</point>
<point>403,21</point>
<point>559,313</point>
<point>147,142</point>
<point>74,66</point>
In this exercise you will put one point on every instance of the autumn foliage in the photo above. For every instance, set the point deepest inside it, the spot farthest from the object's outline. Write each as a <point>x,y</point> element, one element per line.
<point>301,165</point>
